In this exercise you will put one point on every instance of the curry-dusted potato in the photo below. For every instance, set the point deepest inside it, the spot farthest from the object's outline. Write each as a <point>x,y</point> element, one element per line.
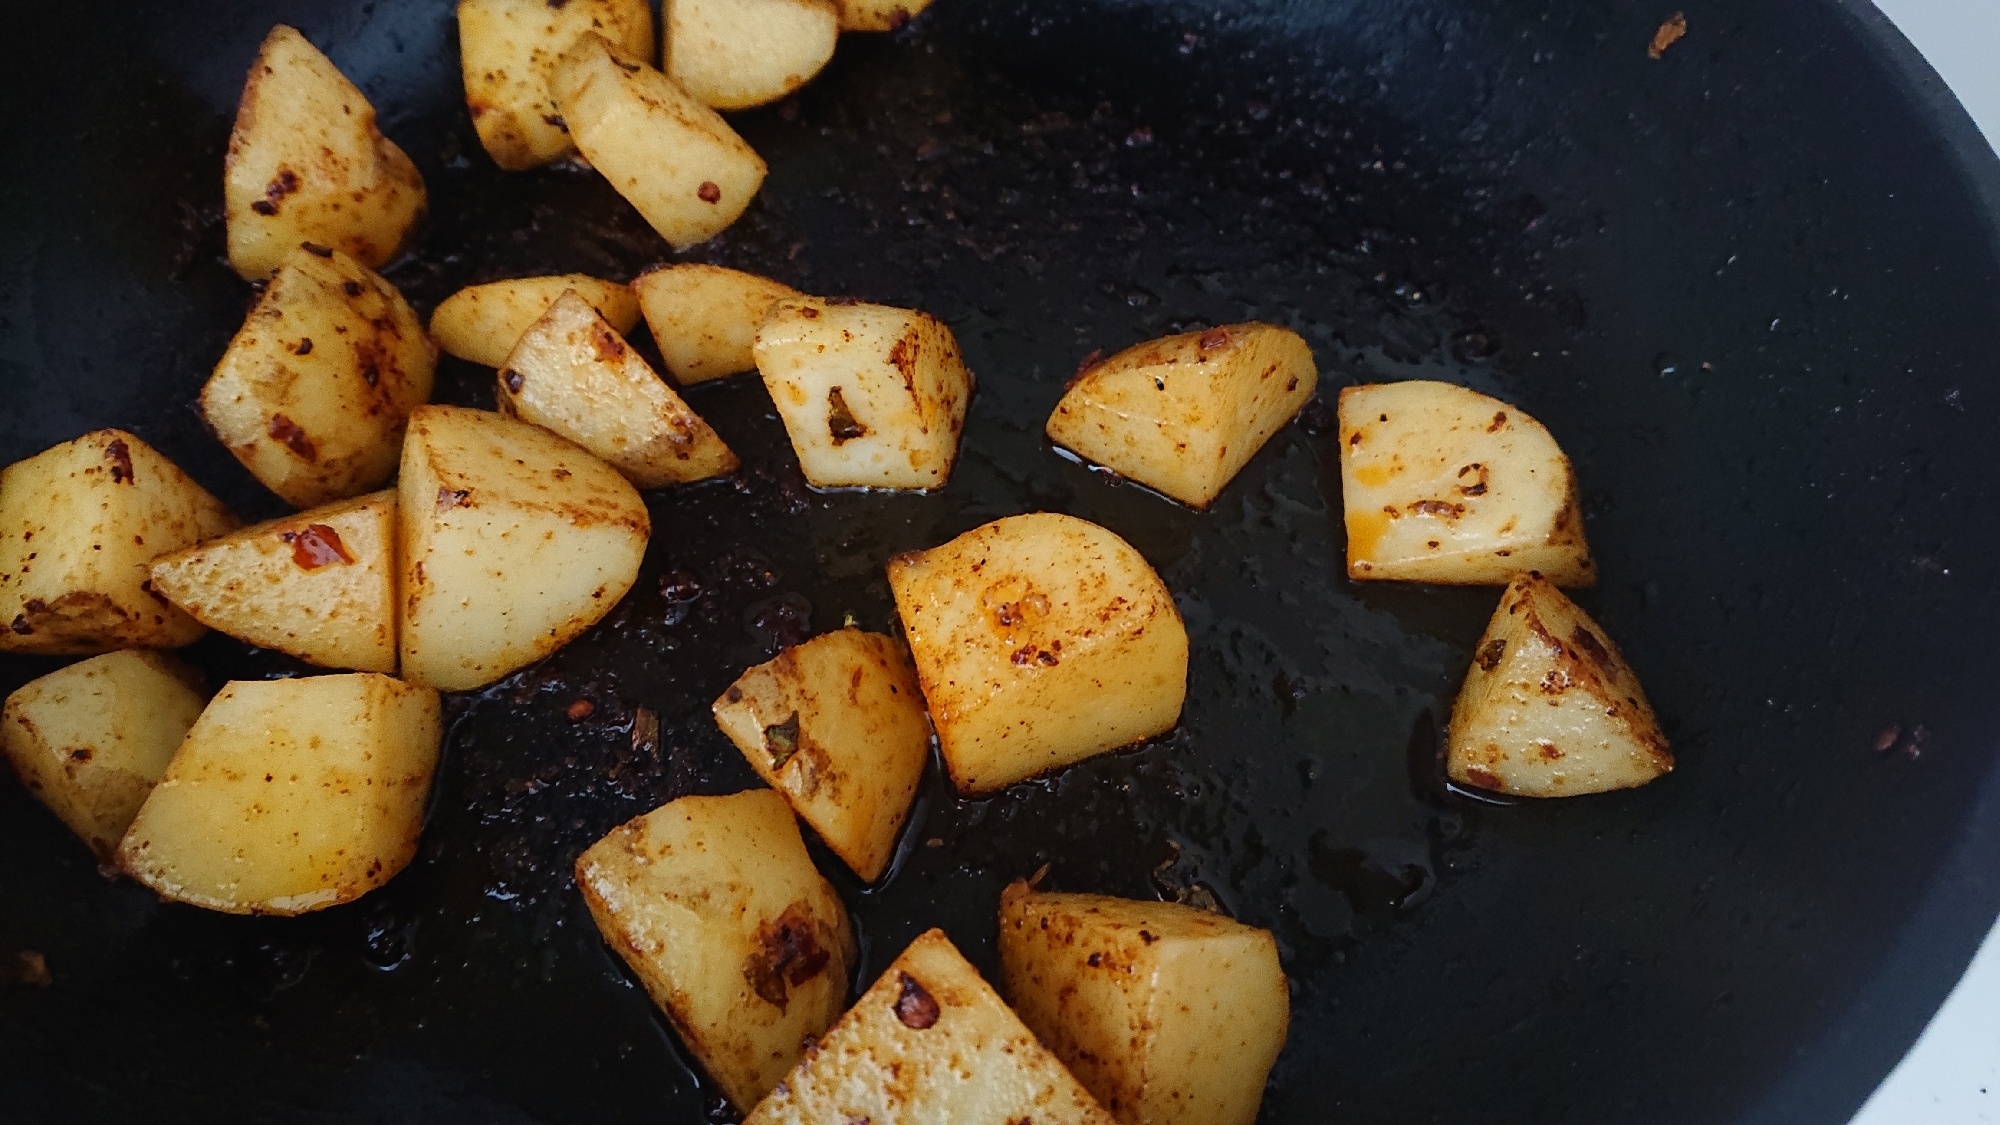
<point>930,1042</point>
<point>1040,640</point>
<point>879,15</point>
<point>715,904</point>
<point>1168,1014</point>
<point>871,396</point>
<point>1443,484</point>
<point>290,795</point>
<point>673,158</point>
<point>733,54</point>
<point>511,542</point>
<point>90,740</point>
<point>315,388</point>
<point>320,585</point>
<point>836,725</point>
<point>80,525</point>
<point>1184,414</point>
<point>482,323</point>
<point>307,163</point>
<point>705,318</point>
<point>506,49</point>
<point>572,373</point>
<point>1549,707</point>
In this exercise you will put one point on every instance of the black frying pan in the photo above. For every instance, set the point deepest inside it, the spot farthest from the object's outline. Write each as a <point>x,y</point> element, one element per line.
<point>1752,287</point>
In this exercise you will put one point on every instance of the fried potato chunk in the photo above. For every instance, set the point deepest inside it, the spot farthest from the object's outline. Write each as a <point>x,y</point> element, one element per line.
<point>507,48</point>
<point>482,323</point>
<point>705,318</point>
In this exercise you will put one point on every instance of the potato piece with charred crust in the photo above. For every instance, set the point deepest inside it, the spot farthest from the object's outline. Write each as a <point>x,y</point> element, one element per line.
<point>571,373</point>
<point>506,50</point>
<point>80,525</point>
<point>307,163</point>
<point>734,54</point>
<point>320,585</point>
<point>1549,707</point>
<point>716,906</point>
<point>482,323</point>
<point>1443,484</point>
<point>879,15</point>
<point>705,318</point>
<point>1040,640</point>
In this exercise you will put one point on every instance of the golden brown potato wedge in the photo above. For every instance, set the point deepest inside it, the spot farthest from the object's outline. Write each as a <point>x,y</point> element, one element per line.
<point>507,48</point>
<point>482,323</point>
<point>734,54</point>
<point>705,318</point>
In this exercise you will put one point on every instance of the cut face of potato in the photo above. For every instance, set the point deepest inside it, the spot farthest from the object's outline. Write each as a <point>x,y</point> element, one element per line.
<point>879,15</point>
<point>90,740</point>
<point>482,323</point>
<point>1040,641</point>
<point>290,795</point>
<point>1169,1015</point>
<point>80,525</point>
<point>673,158</point>
<point>1182,415</point>
<point>1443,484</point>
<point>573,374</point>
<point>306,163</point>
<point>733,54</point>
<point>1549,707</point>
<point>705,318</point>
<point>512,541</point>
<point>315,388</point>
<point>716,906</point>
<point>872,397</point>
<point>508,47</point>
<point>837,725</point>
<point>930,1042</point>
<point>320,585</point>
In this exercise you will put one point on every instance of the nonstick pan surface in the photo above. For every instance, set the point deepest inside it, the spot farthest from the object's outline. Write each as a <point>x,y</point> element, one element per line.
<point>1753,287</point>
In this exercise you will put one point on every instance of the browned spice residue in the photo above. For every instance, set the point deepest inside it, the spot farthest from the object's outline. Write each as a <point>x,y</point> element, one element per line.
<point>840,421</point>
<point>287,432</point>
<point>317,546</point>
<point>121,461</point>
<point>787,953</point>
<point>1669,34</point>
<point>914,1004</point>
<point>449,498</point>
<point>1490,654</point>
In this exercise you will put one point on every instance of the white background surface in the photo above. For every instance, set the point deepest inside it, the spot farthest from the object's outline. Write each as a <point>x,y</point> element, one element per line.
<point>1952,1075</point>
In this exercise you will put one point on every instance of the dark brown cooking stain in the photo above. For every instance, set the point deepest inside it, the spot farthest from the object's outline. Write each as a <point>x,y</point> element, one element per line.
<point>287,433</point>
<point>787,953</point>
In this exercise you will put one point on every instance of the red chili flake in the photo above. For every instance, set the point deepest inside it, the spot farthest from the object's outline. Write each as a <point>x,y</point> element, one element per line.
<point>708,192</point>
<point>316,546</point>
<point>283,429</point>
<point>283,184</point>
<point>809,314</point>
<point>914,1004</point>
<point>580,710</point>
<point>1214,338</point>
<point>121,461</point>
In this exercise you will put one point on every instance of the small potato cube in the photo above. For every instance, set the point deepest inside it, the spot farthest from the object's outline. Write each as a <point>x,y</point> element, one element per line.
<point>80,525</point>
<point>512,542</point>
<point>320,585</point>
<point>716,906</point>
<point>290,795</point>
<point>482,323</point>
<point>705,318</point>
<point>507,48</point>
<point>90,740</point>
<point>1169,1015</point>
<point>879,15</point>
<point>733,54</point>
<point>1549,708</point>
<point>306,163</point>
<point>836,725</point>
<point>929,1043</point>
<point>673,158</point>
<point>872,397</point>
<point>1184,414</point>
<point>573,374</point>
<point>314,391</point>
<point>1443,484</point>
<point>1040,640</point>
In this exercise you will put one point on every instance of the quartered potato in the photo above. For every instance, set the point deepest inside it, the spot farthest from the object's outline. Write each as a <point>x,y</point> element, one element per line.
<point>1549,708</point>
<point>512,541</point>
<point>673,158</point>
<point>929,1043</point>
<point>315,388</point>
<point>80,525</point>
<point>507,48</point>
<point>879,15</point>
<point>1040,640</point>
<point>482,323</point>
<point>1443,484</point>
<point>90,740</point>
<point>1169,1015</point>
<point>290,795</point>
<point>872,396</point>
<point>307,163</point>
<point>836,725</point>
<point>733,54</point>
<point>716,906</point>
<point>1182,415</point>
<point>705,318</point>
<point>320,585</point>
<point>572,373</point>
